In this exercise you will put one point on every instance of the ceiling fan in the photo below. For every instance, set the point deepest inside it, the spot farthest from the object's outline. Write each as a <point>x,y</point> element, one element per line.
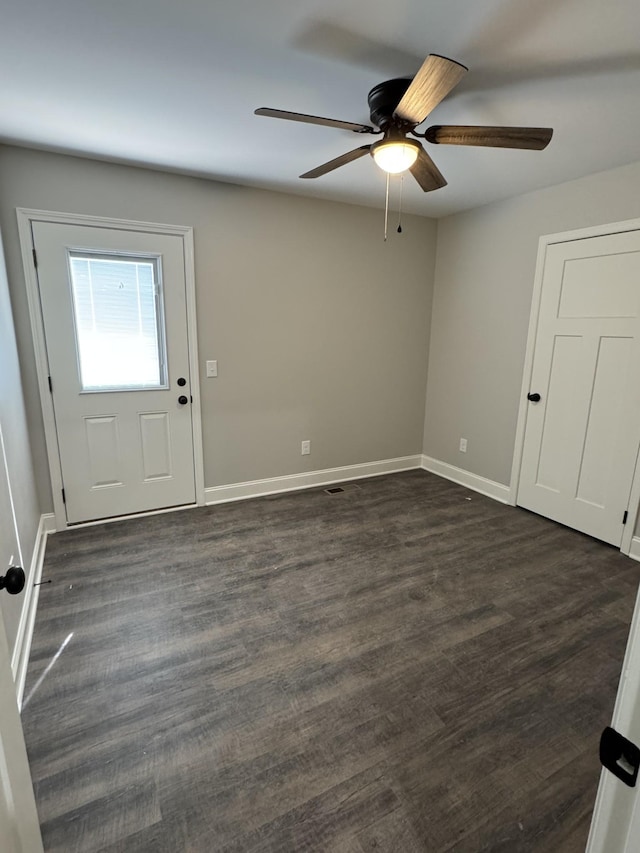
<point>397,107</point>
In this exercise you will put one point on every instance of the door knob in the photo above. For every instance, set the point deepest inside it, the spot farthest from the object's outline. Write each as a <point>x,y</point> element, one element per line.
<point>13,581</point>
<point>535,398</point>
<point>183,400</point>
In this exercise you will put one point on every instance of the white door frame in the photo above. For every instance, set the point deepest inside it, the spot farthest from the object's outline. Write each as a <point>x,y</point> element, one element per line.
<point>545,241</point>
<point>26,217</point>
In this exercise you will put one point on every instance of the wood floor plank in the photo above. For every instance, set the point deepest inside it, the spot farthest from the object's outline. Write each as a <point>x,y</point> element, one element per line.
<point>394,832</point>
<point>115,816</point>
<point>325,822</point>
<point>554,818</point>
<point>405,666</point>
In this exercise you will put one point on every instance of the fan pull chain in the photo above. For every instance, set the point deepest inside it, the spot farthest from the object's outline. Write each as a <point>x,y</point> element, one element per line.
<point>386,210</point>
<point>399,228</point>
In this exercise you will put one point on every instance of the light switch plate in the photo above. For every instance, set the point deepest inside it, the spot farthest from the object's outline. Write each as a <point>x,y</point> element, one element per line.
<point>212,369</point>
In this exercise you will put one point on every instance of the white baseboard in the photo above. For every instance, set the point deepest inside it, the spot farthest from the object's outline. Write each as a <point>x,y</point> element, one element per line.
<point>20,657</point>
<point>308,480</point>
<point>634,549</point>
<point>490,488</point>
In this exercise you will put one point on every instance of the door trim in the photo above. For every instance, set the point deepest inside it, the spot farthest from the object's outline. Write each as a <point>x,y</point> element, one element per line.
<point>544,242</point>
<point>26,217</point>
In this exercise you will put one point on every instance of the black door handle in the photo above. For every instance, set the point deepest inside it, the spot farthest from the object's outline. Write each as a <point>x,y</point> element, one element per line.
<point>183,400</point>
<point>620,756</point>
<point>535,398</point>
<point>13,581</point>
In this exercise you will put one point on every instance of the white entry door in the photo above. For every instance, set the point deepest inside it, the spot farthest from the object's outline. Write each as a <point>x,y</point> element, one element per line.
<point>115,322</point>
<point>582,435</point>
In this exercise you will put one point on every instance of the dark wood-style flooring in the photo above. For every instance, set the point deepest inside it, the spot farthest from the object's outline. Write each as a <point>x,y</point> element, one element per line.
<point>405,666</point>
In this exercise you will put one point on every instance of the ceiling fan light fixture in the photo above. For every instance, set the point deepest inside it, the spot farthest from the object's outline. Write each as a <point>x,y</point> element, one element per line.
<point>395,156</point>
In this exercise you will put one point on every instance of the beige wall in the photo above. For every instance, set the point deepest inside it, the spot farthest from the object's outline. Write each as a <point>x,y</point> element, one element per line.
<point>319,327</point>
<point>19,467</point>
<point>482,296</point>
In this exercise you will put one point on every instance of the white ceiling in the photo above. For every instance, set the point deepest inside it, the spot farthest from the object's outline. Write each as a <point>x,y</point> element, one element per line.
<point>174,85</point>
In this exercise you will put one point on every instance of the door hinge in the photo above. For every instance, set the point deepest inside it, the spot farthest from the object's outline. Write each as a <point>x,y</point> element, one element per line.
<point>35,258</point>
<point>50,385</point>
<point>64,499</point>
<point>625,516</point>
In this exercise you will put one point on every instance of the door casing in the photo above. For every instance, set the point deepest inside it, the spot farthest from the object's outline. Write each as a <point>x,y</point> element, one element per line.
<point>544,242</point>
<point>25,218</point>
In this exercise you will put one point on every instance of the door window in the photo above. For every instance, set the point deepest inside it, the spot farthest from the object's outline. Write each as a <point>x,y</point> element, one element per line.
<point>118,318</point>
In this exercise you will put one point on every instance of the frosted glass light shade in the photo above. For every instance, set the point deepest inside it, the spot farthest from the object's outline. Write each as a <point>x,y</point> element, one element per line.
<point>395,157</point>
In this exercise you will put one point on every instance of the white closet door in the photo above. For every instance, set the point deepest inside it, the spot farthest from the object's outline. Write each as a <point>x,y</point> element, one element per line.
<point>582,436</point>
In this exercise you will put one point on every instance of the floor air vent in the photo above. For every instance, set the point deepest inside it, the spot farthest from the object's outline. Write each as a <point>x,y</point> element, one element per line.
<point>346,487</point>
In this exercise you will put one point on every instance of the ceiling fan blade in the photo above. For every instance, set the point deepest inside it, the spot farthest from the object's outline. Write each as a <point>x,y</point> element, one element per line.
<point>339,161</point>
<point>433,82</point>
<point>328,122</point>
<point>426,173</point>
<point>533,138</point>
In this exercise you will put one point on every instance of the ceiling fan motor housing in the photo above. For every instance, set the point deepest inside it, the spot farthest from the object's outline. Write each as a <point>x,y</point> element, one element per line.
<point>384,98</point>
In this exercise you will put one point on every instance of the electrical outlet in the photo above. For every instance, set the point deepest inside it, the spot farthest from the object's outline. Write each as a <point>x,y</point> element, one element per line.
<point>463,445</point>
<point>306,448</point>
<point>212,369</point>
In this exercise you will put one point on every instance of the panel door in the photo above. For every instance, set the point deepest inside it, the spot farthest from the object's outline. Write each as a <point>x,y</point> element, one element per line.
<point>582,436</point>
<point>114,310</point>
<point>19,827</point>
